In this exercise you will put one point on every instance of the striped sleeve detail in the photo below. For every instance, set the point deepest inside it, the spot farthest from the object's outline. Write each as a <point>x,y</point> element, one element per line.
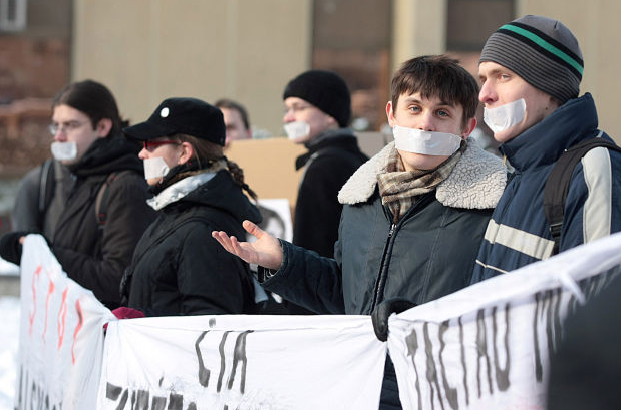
<point>518,240</point>
<point>597,212</point>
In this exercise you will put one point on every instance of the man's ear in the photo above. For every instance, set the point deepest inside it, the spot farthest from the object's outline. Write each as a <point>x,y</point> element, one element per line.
<point>187,152</point>
<point>331,122</point>
<point>389,114</point>
<point>470,125</point>
<point>103,127</point>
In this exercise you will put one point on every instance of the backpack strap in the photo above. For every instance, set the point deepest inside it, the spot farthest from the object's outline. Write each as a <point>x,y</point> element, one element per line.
<point>46,187</point>
<point>557,185</point>
<point>101,202</point>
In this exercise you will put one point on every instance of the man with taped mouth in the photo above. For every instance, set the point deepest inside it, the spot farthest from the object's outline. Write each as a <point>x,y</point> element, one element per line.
<point>530,70</point>
<point>317,115</point>
<point>106,211</point>
<point>413,215</point>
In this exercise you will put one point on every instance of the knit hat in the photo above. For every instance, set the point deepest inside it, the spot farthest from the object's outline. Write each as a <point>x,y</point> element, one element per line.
<point>326,90</point>
<point>189,116</point>
<point>542,51</point>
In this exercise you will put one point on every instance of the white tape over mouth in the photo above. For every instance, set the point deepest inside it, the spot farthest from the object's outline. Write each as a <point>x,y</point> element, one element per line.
<point>425,142</point>
<point>505,116</point>
<point>155,168</point>
<point>297,129</point>
<point>64,151</point>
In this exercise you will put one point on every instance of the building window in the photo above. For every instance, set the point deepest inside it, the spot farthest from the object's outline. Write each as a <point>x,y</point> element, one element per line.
<point>470,22</point>
<point>12,15</point>
<point>352,38</point>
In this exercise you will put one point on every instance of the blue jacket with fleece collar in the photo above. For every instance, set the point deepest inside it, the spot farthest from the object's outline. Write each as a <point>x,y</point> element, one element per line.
<point>518,233</point>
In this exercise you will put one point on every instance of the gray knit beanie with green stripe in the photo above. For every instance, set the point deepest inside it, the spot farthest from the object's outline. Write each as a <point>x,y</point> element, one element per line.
<point>542,51</point>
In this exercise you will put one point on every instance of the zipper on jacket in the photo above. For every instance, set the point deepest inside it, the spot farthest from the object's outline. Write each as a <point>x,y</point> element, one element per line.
<point>376,292</point>
<point>424,201</point>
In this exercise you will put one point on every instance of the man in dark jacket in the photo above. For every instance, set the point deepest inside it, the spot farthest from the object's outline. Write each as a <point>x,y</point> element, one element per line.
<point>414,213</point>
<point>318,111</point>
<point>106,211</point>
<point>530,71</point>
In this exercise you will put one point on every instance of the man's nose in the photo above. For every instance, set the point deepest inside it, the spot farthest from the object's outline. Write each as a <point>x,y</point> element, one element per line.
<point>288,117</point>
<point>426,122</point>
<point>60,135</point>
<point>487,94</point>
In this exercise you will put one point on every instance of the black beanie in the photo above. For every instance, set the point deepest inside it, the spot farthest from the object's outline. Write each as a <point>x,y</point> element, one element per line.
<point>326,90</point>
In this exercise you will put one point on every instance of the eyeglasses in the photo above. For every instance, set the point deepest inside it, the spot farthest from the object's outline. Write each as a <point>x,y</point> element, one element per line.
<point>149,145</point>
<point>65,127</point>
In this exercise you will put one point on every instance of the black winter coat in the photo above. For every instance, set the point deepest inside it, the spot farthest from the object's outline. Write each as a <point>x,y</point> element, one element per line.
<point>179,269</point>
<point>331,159</point>
<point>94,255</point>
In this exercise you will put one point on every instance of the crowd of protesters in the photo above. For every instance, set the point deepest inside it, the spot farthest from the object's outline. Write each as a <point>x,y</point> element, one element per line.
<point>144,215</point>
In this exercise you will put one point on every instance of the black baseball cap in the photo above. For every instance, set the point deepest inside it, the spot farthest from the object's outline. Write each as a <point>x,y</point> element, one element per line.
<point>181,115</point>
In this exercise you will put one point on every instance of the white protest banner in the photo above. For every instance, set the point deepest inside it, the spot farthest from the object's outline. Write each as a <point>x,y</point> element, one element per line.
<point>488,346</point>
<point>242,362</point>
<point>61,335</point>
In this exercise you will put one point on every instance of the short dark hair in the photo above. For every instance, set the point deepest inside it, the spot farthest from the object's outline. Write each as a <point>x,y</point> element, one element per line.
<point>234,105</point>
<point>437,76</point>
<point>93,99</point>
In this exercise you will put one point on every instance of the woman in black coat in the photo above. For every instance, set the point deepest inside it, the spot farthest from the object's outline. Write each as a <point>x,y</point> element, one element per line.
<point>177,267</point>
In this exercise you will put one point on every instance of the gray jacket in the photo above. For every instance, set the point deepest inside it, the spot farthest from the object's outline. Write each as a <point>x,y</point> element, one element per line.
<point>41,197</point>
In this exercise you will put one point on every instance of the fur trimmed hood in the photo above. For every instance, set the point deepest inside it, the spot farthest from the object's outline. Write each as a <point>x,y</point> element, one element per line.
<point>477,181</point>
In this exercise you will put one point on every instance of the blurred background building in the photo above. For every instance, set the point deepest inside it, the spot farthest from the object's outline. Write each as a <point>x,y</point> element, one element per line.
<point>147,50</point>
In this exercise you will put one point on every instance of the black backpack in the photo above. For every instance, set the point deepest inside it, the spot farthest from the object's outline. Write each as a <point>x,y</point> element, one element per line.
<point>557,185</point>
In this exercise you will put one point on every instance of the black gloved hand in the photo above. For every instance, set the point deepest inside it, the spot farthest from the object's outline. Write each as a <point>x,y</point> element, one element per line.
<point>379,316</point>
<point>10,248</point>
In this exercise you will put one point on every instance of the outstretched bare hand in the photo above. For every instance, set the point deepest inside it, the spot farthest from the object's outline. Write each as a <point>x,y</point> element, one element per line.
<point>265,251</point>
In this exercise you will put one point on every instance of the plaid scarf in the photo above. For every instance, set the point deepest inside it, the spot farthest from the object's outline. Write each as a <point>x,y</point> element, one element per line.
<point>399,188</point>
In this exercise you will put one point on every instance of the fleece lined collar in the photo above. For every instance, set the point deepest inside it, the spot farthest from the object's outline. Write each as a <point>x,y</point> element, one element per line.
<point>477,181</point>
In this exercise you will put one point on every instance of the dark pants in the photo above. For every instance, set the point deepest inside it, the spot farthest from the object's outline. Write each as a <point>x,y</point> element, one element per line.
<point>389,396</point>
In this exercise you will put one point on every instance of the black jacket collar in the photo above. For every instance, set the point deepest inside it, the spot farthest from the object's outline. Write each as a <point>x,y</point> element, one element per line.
<point>342,138</point>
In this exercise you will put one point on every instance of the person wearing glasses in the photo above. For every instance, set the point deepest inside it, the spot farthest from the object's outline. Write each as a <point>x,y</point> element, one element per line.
<point>177,267</point>
<point>317,114</point>
<point>105,212</point>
